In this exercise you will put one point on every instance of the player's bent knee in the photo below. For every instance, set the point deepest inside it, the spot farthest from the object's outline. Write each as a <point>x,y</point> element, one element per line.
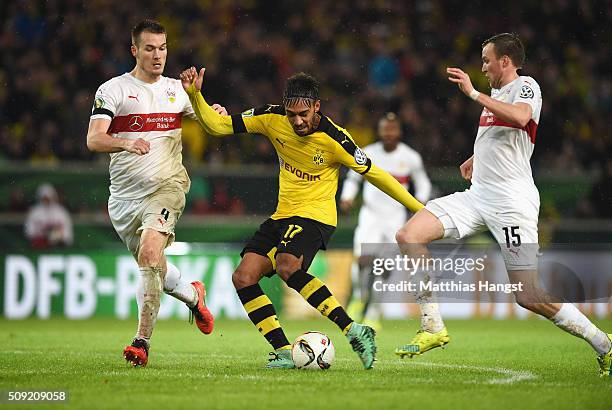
<point>241,279</point>
<point>408,235</point>
<point>401,236</point>
<point>287,265</point>
<point>423,228</point>
<point>148,256</point>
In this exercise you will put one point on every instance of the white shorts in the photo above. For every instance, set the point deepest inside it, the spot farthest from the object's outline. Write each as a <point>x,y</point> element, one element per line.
<point>159,211</point>
<point>374,229</point>
<point>514,225</point>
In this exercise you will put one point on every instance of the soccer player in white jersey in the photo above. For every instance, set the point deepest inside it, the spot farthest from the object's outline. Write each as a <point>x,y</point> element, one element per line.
<point>380,216</point>
<point>136,118</point>
<point>502,198</point>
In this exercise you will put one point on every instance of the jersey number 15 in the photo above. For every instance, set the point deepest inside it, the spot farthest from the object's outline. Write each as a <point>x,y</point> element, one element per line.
<point>513,239</point>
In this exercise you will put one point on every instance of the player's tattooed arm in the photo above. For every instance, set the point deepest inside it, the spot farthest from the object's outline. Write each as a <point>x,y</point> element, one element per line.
<point>517,114</point>
<point>98,140</point>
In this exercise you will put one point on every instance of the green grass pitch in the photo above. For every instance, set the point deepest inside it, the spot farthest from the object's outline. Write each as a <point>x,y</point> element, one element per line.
<point>489,364</point>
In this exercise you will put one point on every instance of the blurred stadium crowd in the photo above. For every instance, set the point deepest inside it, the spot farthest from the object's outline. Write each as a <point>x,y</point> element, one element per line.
<point>370,57</point>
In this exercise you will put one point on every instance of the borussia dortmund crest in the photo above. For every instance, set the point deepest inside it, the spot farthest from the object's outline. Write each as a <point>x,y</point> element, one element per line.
<point>318,158</point>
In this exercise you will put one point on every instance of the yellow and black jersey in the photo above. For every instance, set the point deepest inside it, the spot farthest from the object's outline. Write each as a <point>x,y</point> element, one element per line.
<point>309,165</point>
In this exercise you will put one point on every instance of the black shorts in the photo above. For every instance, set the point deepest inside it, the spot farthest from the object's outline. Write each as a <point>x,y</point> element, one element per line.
<point>296,235</point>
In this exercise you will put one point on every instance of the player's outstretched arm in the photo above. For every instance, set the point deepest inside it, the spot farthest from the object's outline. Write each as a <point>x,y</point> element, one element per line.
<point>98,140</point>
<point>390,186</point>
<point>213,122</point>
<point>517,114</point>
<point>349,154</point>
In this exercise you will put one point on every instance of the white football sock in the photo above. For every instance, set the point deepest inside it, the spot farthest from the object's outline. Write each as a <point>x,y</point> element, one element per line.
<point>570,319</point>
<point>176,286</point>
<point>431,321</point>
<point>148,298</point>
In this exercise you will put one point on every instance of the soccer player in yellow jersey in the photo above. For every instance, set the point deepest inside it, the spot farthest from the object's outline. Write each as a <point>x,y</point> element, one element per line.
<point>311,149</point>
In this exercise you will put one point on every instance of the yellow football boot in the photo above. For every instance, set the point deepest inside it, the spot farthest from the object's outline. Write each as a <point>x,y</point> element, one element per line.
<point>422,342</point>
<point>605,362</point>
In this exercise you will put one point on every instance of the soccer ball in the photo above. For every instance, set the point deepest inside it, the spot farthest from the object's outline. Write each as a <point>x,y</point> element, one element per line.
<point>313,350</point>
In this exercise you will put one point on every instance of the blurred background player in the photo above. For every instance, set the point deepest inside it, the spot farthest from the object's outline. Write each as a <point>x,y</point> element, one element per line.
<point>48,223</point>
<point>310,149</point>
<point>380,216</point>
<point>136,118</point>
<point>503,199</point>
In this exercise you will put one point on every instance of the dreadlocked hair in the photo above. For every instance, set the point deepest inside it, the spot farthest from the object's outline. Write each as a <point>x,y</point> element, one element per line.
<point>301,87</point>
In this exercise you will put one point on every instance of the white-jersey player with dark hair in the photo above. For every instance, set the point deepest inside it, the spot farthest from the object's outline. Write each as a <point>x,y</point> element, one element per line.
<point>380,216</point>
<point>136,118</point>
<point>503,199</point>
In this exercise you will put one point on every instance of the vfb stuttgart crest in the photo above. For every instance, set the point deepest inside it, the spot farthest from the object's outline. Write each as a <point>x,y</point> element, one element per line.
<point>171,95</point>
<point>318,158</point>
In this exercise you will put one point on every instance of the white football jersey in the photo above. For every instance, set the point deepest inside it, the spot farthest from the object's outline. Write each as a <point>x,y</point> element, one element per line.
<point>152,112</point>
<point>405,164</point>
<point>502,151</point>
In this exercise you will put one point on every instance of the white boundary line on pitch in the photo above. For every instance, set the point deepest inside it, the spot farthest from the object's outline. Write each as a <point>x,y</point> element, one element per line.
<point>512,376</point>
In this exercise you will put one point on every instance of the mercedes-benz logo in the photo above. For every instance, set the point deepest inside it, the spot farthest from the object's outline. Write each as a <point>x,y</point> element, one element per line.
<point>136,123</point>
